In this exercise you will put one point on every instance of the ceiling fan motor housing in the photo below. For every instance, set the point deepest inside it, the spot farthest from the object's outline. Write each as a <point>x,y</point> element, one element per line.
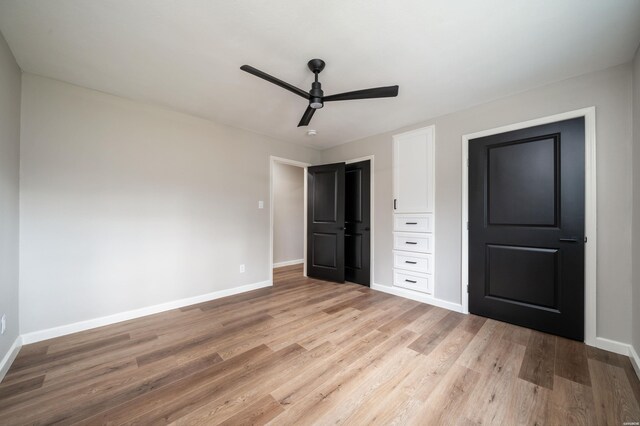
<point>316,93</point>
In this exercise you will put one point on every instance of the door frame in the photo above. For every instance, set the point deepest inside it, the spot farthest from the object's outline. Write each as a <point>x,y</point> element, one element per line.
<point>272,160</point>
<point>371,159</point>
<point>590,252</point>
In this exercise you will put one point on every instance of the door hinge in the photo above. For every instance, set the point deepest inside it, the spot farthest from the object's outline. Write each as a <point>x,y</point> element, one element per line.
<point>395,204</point>
<point>467,288</point>
<point>585,239</point>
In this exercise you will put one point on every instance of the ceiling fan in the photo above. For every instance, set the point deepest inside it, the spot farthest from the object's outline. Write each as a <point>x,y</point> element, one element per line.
<point>315,96</point>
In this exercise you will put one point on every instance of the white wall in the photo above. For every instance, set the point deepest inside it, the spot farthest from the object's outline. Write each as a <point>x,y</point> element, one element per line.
<point>288,213</point>
<point>125,205</point>
<point>10,76</point>
<point>610,92</point>
<point>636,202</point>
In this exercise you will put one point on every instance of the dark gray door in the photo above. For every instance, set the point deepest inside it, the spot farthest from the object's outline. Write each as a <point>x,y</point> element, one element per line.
<point>526,227</point>
<point>325,222</point>
<point>357,240</point>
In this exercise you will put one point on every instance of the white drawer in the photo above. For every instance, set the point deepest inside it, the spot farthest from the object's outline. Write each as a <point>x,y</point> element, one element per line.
<point>413,222</point>
<point>413,281</point>
<point>421,243</point>
<point>416,262</point>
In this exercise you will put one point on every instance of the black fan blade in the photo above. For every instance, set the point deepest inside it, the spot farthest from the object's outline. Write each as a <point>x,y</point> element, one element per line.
<point>306,117</point>
<point>276,81</point>
<point>378,92</point>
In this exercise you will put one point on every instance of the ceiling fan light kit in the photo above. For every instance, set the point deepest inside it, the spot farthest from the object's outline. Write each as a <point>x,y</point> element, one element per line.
<point>316,96</point>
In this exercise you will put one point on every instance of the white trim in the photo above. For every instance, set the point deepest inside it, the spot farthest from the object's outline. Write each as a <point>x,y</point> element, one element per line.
<point>417,296</point>
<point>372,188</point>
<point>621,349</point>
<point>590,256</point>
<point>288,263</point>
<point>8,359</point>
<point>612,346</point>
<point>37,336</point>
<point>635,360</point>
<point>273,159</point>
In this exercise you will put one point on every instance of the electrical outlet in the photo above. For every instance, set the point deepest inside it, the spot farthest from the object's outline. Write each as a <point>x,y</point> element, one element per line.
<point>261,204</point>
<point>3,324</point>
<point>242,268</point>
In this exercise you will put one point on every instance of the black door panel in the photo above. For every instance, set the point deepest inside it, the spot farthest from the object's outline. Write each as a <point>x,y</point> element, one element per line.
<point>526,206</point>
<point>358,222</point>
<point>325,222</point>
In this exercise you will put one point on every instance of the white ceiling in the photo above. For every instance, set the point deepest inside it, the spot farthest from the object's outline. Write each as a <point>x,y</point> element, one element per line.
<point>445,55</point>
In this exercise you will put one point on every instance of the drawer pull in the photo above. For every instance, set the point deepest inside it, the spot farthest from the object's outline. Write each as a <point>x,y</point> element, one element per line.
<point>410,242</point>
<point>410,262</point>
<point>411,281</point>
<point>411,223</point>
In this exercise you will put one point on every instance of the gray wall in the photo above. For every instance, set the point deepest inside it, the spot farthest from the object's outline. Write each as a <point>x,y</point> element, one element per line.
<point>124,205</point>
<point>288,213</point>
<point>610,92</point>
<point>10,76</point>
<point>636,202</point>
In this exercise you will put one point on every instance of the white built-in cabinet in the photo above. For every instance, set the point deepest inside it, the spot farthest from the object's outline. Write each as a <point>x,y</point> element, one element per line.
<point>413,209</point>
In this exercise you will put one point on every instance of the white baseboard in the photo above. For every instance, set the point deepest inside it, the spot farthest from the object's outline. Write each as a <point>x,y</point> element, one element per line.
<point>50,333</point>
<point>288,263</point>
<point>635,360</point>
<point>612,346</point>
<point>622,349</point>
<point>419,297</point>
<point>6,362</point>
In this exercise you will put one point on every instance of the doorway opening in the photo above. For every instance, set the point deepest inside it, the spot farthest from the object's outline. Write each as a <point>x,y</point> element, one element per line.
<point>288,217</point>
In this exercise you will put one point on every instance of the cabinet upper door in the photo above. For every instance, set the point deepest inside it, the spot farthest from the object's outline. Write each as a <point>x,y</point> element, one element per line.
<point>413,171</point>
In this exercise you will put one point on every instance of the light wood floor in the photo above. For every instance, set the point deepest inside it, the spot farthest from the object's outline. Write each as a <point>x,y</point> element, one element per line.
<point>307,351</point>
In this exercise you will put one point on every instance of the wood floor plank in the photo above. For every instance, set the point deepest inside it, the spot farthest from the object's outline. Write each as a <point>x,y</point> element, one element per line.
<point>612,394</point>
<point>405,319</point>
<point>46,358</point>
<point>229,404</point>
<point>92,401</point>
<point>484,348</point>
<point>528,404</point>
<point>571,403</point>
<point>328,395</point>
<point>292,391</point>
<point>306,351</point>
<point>14,389</point>
<point>258,413</point>
<point>432,338</point>
<point>79,360</point>
<point>450,396</point>
<point>435,366</point>
<point>571,361</point>
<point>201,391</point>
<point>496,384</point>
<point>517,334</point>
<point>157,397</point>
<point>539,360</point>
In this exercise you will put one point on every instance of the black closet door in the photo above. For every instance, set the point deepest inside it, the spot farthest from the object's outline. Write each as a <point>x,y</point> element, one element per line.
<point>357,239</point>
<point>325,222</point>
<point>526,227</point>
